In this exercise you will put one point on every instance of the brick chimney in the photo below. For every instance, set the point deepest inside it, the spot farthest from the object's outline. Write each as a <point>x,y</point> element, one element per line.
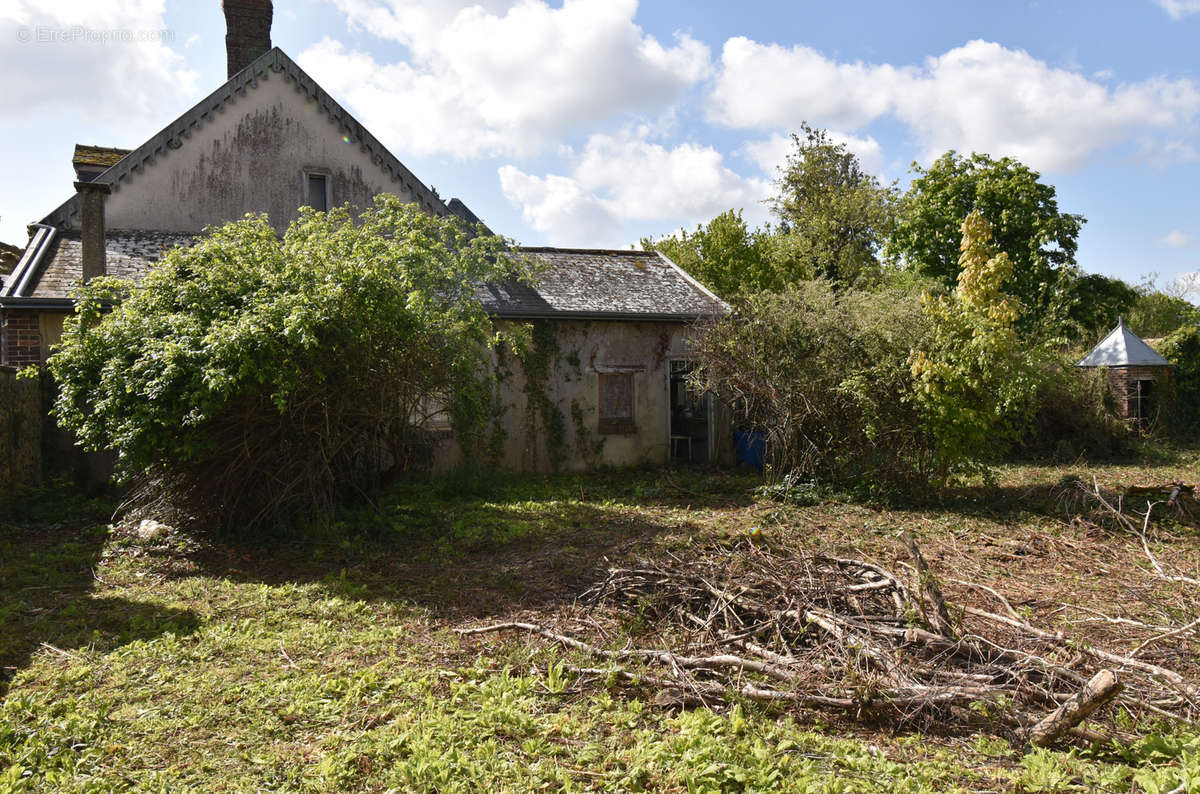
<point>247,31</point>
<point>92,196</point>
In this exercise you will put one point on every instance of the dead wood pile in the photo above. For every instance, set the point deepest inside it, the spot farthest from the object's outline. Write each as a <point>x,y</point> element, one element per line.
<point>847,635</point>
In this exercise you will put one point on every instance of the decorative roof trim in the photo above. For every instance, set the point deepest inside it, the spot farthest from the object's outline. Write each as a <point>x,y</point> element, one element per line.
<point>272,62</point>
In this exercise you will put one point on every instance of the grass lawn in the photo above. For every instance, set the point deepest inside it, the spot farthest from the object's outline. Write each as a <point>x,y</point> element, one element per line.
<point>177,662</point>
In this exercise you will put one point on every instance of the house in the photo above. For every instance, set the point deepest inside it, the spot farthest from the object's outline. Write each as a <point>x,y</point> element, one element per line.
<point>1137,375</point>
<point>615,325</point>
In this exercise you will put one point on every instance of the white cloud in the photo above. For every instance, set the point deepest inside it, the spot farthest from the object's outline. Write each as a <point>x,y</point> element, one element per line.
<point>771,153</point>
<point>617,180</point>
<point>977,97</point>
<point>104,60</point>
<point>1178,9</point>
<point>488,79</point>
<point>1163,154</point>
<point>1178,238</point>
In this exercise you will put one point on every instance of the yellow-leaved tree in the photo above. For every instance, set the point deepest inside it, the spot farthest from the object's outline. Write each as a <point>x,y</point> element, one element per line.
<point>974,377</point>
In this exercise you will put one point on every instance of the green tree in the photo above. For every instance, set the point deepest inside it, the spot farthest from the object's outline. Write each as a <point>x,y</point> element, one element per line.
<point>1094,302</point>
<point>1040,240</point>
<point>974,376</point>
<point>834,217</point>
<point>253,378</point>
<point>724,255</point>
<point>1155,313</point>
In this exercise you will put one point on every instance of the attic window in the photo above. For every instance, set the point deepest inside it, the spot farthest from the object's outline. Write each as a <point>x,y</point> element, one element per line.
<point>317,192</point>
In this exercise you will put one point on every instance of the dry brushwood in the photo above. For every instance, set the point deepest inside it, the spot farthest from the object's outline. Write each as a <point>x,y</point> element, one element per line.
<point>830,633</point>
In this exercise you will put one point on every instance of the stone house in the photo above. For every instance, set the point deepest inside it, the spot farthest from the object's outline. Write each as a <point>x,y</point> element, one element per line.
<point>615,324</point>
<point>1137,375</point>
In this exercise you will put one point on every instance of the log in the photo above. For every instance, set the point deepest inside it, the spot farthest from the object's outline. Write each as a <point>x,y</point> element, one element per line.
<point>1102,688</point>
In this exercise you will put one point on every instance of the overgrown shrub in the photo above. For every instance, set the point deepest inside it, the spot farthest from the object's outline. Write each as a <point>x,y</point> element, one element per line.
<point>825,376</point>
<point>1182,348</point>
<point>881,389</point>
<point>1074,416</point>
<point>253,379</point>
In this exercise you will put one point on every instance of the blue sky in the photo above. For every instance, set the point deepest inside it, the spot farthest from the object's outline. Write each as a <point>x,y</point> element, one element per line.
<point>597,122</point>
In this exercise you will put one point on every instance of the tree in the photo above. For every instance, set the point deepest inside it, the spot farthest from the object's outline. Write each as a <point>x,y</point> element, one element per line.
<point>1155,313</point>
<point>251,378</point>
<point>834,217</point>
<point>974,375</point>
<point>724,255</point>
<point>1094,302</point>
<point>1040,240</point>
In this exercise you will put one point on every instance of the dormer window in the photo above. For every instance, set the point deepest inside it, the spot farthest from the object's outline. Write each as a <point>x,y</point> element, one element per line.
<point>317,190</point>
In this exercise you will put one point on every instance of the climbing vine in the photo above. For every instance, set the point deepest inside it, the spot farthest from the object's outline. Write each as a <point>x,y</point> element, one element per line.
<point>537,356</point>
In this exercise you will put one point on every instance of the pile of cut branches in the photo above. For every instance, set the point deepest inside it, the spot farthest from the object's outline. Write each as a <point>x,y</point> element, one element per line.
<point>830,633</point>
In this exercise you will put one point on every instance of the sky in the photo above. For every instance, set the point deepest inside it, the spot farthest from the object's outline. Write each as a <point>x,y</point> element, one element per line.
<point>595,123</point>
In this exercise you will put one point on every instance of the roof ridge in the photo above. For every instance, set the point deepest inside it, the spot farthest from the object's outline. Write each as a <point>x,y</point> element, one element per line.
<point>550,249</point>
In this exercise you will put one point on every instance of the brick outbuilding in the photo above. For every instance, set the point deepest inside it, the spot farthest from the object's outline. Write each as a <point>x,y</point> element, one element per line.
<point>1138,376</point>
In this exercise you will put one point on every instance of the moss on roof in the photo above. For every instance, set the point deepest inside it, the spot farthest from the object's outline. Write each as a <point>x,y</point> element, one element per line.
<point>104,156</point>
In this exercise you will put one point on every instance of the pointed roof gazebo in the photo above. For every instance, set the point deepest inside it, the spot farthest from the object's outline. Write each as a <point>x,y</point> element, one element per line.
<point>1135,372</point>
<point>1123,348</point>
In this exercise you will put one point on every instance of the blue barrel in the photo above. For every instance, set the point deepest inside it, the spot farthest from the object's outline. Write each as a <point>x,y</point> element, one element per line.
<point>751,447</point>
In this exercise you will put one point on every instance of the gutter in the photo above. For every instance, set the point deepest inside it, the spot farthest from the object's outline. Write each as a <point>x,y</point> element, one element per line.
<point>18,302</point>
<point>30,263</point>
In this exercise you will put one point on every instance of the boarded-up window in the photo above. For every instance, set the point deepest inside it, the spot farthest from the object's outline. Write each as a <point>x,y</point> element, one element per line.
<point>616,403</point>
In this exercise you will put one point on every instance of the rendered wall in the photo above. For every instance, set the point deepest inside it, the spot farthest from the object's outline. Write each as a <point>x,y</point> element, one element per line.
<point>582,351</point>
<point>252,157</point>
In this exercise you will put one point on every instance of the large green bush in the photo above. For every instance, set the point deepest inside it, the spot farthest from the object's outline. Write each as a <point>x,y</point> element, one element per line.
<point>825,376</point>
<point>254,378</point>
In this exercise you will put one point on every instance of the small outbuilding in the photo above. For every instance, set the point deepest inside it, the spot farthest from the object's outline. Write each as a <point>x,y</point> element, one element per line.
<point>1137,375</point>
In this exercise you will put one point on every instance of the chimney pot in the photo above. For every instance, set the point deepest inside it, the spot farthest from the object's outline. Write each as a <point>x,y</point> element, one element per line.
<point>92,196</point>
<point>247,31</point>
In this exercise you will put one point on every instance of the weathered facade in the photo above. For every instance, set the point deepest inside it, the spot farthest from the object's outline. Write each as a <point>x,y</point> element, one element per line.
<point>1138,376</point>
<point>608,388</point>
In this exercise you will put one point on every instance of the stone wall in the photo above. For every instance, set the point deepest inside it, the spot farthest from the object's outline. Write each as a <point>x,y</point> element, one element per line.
<point>21,420</point>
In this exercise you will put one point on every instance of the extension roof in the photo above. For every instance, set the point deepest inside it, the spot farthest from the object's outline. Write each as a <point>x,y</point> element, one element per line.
<point>589,283</point>
<point>573,284</point>
<point>1123,348</point>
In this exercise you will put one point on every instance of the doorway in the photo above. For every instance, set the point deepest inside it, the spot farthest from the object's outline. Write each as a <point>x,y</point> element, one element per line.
<point>691,417</point>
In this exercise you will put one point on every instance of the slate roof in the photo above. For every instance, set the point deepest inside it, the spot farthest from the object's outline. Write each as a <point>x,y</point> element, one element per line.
<point>603,284</point>
<point>59,261</point>
<point>1123,348</point>
<point>573,283</point>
